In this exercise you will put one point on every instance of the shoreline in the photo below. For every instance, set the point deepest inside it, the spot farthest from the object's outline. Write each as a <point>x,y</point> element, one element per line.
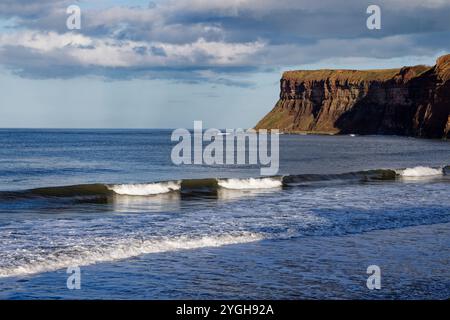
<point>325,133</point>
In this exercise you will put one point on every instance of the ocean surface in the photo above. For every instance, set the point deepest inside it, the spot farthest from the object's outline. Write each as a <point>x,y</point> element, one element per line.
<point>139,227</point>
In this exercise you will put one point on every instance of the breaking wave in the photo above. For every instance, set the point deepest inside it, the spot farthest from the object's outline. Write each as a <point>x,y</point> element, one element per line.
<point>212,186</point>
<point>421,172</point>
<point>145,189</point>
<point>122,250</point>
<point>251,183</point>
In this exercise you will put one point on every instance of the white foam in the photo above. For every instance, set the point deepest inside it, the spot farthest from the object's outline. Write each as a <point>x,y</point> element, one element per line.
<point>420,172</point>
<point>250,183</point>
<point>122,250</point>
<point>145,189</point>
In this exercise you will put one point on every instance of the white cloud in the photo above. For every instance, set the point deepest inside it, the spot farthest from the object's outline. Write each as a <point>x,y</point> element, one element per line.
<point>124,53</point>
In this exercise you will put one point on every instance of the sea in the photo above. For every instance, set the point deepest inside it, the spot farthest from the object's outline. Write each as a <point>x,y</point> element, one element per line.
<point>111,205</point>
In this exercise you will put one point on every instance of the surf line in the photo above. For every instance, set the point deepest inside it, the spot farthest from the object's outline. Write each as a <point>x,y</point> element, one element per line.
<point>229,147</point>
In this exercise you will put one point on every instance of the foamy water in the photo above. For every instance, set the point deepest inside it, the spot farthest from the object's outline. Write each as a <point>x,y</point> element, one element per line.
<point>251,183</point>
<point>421,172</point>
<point>145,189</point>
<point>121,250</point>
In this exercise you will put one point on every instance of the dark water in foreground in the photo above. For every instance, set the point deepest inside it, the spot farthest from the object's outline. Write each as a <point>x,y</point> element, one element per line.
<point>343,203</point>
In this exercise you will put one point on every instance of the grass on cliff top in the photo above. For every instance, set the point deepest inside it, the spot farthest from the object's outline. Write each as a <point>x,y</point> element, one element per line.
<point>349,75</point>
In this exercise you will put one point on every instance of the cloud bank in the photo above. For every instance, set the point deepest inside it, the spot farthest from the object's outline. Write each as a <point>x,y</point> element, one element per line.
<point>207,40</point>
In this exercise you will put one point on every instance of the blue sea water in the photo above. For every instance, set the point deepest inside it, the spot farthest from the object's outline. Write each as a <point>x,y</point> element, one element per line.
<point>69,198</point>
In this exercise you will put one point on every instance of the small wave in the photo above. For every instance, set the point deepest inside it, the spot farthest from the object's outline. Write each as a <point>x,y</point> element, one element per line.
<point>358,176</point>
<point>145,189</point>
<point>123,250</point>
<point>420,172</point>
<point>250,183</point>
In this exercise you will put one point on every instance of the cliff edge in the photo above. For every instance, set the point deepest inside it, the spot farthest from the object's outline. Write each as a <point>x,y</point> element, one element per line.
<point>411,101</point>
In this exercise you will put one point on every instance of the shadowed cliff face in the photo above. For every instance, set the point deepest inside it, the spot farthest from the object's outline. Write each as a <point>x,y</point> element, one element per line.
<point>413,101</point>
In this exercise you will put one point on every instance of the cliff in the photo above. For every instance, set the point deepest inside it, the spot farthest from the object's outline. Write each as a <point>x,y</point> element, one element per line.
<point>412,101</point>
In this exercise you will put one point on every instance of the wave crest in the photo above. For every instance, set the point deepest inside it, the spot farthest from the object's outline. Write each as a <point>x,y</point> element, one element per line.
<point>145,189</point>
<point>420,172</point>
<point>251,183</point>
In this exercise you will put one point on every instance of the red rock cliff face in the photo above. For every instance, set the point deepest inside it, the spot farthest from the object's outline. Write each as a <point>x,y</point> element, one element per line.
<point>413,101</point>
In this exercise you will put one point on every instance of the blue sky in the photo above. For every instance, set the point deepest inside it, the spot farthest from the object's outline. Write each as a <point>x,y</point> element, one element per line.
<point>164,64</point>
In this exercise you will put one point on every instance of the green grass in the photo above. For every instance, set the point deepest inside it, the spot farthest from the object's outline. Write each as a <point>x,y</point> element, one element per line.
<point>349,75</point>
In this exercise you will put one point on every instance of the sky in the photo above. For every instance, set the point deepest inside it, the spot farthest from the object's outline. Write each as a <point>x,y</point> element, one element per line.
<point>164,64</point>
